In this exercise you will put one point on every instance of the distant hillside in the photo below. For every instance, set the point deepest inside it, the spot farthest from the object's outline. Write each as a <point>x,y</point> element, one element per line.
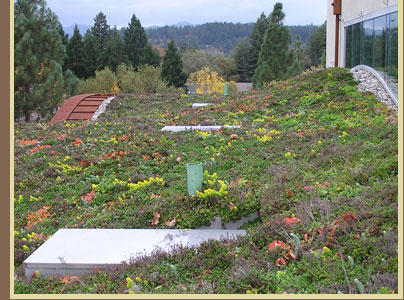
<point>219,36</point>
<point>70,29</point>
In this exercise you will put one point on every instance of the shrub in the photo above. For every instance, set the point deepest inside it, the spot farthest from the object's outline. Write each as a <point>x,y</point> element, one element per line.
<point>232,87</point>
<point>105,81</point>
<point>146,80</point>
<point>208,81</point>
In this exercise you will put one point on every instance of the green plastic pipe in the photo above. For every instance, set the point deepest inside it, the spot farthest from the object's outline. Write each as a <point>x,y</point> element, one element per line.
<point>194,178</point>
<point>226,90</point>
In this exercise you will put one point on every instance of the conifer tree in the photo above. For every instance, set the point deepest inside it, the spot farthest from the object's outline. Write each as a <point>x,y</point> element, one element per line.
<point>316,45</point>
<point>100,31</point>
<point>135,41</point>
<point>171,70</point>
<point>90,54</point>
<point>242,56</point>
<point>273,57</point>
<point>150,56</point>
<point>114,53</point>
<point>256,39</point>
<point>75,55</point>
<point>296,55</point>
<point>38,55</point>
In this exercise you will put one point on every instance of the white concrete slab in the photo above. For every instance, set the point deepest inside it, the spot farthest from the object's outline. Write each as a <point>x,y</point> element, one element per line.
<point>195,127</point>
<point>197,105</point>
<point>77,251</point>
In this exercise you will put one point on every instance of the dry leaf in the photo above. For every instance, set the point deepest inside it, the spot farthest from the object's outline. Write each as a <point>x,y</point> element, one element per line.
<point>231,205</point>
<point>171,223</point>
<point>233,137</point>
<point>153,196</point>
<point>156,217</point>
<point>207,272</point>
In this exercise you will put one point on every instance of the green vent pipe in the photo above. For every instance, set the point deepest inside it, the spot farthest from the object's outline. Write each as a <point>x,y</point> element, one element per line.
<point>194,178</point>
<point>226,90</point>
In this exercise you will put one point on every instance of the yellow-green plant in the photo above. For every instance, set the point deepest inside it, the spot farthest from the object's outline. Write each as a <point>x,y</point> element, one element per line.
<point>142,184</point>
<point>213,183</point>
<point>208,82</point>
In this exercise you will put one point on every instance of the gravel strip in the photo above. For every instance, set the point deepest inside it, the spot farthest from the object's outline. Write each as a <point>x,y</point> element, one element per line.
<point>369,83</point>
<point>101,108</point>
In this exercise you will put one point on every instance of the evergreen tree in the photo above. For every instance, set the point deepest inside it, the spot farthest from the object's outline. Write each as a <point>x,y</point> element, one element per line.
<point>150,56</point>
<point>114,53</point>
<point>298,48</point>
<point>171,70</point>
<point>90,55</point>
<point>296,55</point>
<point>256,39</point>
<point>38,55</point>
<point>316,45</point>
<point>65,41</point>
<point>75,55</point>
<point>135,41</point>
<point>100,31</point>
<point>242,56</point>
<point>273,58</point>
<point>71,84</point>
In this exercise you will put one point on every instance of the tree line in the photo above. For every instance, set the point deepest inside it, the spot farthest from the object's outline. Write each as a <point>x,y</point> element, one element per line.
<point>221,35</point>
<point>269,54</point>
<point>49,67</point>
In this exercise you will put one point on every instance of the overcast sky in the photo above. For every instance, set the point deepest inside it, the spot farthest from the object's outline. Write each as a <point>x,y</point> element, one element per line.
<point>167,12</point>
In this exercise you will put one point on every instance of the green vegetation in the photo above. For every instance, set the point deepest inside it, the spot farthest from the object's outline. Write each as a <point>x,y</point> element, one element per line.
<point>273,56</point>
<point>39,83</point>
<point>216,37</point>
<point>171,69</point>
<point>315,158</point>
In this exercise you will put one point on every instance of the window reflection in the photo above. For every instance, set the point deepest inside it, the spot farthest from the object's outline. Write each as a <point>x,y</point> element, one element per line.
<point>374,43</point>
<point>367,51</point>
<point>348,45</point>
<point>380,43</point>
<point>356,44</point>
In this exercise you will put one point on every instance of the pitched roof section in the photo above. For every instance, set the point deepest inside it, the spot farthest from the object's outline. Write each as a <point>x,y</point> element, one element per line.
<point>80,107</point>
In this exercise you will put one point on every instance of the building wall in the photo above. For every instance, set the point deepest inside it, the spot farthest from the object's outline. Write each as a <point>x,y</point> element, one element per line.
<point>351,10</point>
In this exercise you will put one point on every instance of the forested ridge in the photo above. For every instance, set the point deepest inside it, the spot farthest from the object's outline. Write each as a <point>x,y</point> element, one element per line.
<point>221,35</point>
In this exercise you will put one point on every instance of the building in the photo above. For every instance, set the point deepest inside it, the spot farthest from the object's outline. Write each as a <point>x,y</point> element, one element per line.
<point>364,32</point>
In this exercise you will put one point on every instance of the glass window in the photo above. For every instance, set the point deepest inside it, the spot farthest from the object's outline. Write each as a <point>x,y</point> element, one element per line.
<point>367,47</point>
<point>392,62</point>
<point>380,43</point>
<point>356,44</point>
<point>348,47</point>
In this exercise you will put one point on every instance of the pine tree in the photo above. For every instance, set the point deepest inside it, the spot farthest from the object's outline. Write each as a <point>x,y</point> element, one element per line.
<point>65,41</point>
<point>171,70</point>
<point>296,55</point>
<point>90,55</point>
<point>150,56</point>
<point>114,53</point>
<point>100,31</point>
<point>38,55</point>
<point>256,39</point>
<point>316,45</point>
<point>242,56</point>
<point>273,58</point>
<point>75,55</point>
<point>71,84</point>
<point>135,41</point>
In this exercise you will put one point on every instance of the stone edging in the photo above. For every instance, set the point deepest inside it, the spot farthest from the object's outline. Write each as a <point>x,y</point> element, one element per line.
<point>391,95</point>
